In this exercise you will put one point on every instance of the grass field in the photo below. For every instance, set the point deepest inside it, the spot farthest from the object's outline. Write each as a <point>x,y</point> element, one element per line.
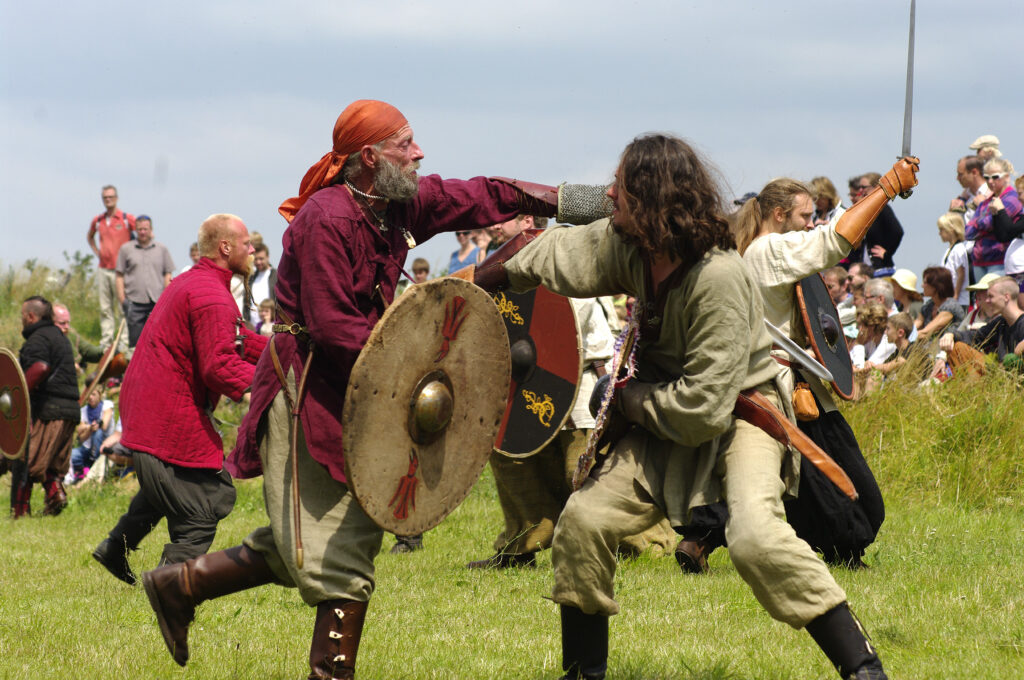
<point>944,597</point>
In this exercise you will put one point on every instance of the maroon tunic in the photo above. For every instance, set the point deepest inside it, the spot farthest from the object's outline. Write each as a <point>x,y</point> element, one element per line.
<point>337,270</point>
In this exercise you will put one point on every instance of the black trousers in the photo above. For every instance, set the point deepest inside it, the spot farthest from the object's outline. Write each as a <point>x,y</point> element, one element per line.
<point>193,500</point>
<point>135,316</point>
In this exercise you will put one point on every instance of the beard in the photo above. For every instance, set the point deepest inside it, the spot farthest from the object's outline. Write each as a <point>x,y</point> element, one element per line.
<point>392,183</point>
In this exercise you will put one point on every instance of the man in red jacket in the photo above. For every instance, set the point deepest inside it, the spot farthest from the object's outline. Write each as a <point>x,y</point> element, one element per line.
<point>194,349</point>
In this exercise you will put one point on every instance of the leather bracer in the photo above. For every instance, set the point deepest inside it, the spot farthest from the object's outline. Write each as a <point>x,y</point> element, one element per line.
<point>900,179</point>
<point>540,200</point>
<point>36,374</point>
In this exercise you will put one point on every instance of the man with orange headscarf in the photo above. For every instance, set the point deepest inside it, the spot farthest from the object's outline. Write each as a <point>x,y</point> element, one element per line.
<point>359,210</point>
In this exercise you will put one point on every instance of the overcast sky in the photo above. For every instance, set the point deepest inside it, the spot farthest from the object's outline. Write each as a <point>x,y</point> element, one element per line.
<point>192,108</point>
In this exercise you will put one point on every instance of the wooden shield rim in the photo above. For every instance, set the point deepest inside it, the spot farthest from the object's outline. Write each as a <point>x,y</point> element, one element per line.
<point>27,404</point>
<point>805,318</point>
<point>104,362</point>
<point>576,387</point>
<point>388,522</point>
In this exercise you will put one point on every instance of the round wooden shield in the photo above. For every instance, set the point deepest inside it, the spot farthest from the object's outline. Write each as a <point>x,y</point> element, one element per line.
<point>825,333</point>
<point>15,407</point>
<point>423,404</point>
<point>544,342</point>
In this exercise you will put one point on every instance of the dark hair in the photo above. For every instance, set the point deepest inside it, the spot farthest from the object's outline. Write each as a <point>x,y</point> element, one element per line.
<point>671,199</point>
<point>940,279</point>
<point>261,247</point>
<point>40,306</point>
<point>973,163</point>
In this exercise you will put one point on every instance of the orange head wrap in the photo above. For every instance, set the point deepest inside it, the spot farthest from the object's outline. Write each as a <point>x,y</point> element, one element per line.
<point>363,122</point>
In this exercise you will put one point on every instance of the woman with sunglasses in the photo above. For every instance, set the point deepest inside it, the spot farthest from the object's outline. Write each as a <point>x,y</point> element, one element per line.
<point>989,252</point>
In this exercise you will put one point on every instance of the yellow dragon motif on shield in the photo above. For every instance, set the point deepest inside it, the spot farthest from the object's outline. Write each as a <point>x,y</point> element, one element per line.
<point>543,409</point>
<point>508,309</point>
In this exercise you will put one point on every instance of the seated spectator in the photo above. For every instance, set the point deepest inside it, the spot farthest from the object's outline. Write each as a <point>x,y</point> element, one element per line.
<point>267,310</point>
<point>871,346</point>
<point>420,274</point>
<point>989,252</point>
<point>880,291</point>
<point>897,333</point>
<point>115,461</point>
<point>1004,335</point>
<point>466,255</point>
<point>940,310</point>
<point>828,207</point>
<point>95,426</point>
<point>860,273</point>
<point>955,259</point>
<point>904,292</point>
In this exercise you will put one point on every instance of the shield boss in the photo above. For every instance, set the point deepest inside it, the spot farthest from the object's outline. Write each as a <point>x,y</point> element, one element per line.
<point>424,402</point>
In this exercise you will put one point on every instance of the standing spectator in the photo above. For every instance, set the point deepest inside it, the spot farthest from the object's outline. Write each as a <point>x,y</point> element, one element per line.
<point>837,280</point>
<point>49,368</point>
<point>261,283</point>
<point>503,232</point>
<point>420,274</point>
<point>940,310</point>
<point>115,229</point>
<point>83,351</point>
<point>97,423</point>
<point>987,147</point>
<point>187,360</point>
<point>1010,230</point>
<point>144,269</point>
<point>988,254</point>
<point>466,255</point>
<point>968,173</point>
<point>482,240</point>
<point>956,259</point>
<point>828,207</point>
<point>884,236</point>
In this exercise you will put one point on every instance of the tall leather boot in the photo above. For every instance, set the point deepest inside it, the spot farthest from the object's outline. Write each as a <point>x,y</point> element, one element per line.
<point>842,639</point>
<point>339,625</point>
<point>21,490</point>
<point>56,497</point>
<point>175,590</point>
<point>584,644</point>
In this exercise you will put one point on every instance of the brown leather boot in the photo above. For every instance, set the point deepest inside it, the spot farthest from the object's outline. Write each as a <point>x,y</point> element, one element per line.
<point>175,590</point>
<point>692,556</point>
<point>339,625</point>
<point>56,497</point>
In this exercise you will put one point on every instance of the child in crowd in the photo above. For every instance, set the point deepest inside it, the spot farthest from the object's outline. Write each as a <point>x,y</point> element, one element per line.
<point>266,324</point>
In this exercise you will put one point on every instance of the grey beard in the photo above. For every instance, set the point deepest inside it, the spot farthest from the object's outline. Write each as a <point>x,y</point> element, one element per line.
<point>390,182</point>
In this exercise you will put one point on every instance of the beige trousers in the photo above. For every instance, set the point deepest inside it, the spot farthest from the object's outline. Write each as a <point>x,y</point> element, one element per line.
<point>787,577</point>
<point>110,310</point>
<point>532,492</point>
<point>339,540</point>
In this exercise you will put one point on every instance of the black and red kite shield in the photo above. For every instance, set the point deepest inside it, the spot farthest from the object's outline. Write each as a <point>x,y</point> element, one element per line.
<point>423,404</point>
<point>825,333</point>
<point>15,407</point>
<point>544,341</point>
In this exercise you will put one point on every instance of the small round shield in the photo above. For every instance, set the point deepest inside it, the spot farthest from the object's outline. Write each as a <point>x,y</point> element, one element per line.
<point>544,342</point>
<point>825,333</point>
<point>423,405</point>
<point>15,407</point>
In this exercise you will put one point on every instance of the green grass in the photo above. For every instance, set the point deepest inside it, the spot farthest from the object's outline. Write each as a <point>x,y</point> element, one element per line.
<point>941,599</point>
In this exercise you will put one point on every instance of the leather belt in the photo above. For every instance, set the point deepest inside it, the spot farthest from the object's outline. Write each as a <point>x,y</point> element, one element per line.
<point>754,408</point>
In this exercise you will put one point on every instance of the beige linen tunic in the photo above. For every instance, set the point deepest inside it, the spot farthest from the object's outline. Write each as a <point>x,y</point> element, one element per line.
<point>777,263</point>
<point>711,345</point>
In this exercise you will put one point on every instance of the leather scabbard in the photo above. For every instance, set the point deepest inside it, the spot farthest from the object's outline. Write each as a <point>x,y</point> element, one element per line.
<point>754,408</point>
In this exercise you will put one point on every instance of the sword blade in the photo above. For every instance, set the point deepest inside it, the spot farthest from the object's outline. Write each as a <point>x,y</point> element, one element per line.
<point>908,106</point>
<point>798,353</point>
